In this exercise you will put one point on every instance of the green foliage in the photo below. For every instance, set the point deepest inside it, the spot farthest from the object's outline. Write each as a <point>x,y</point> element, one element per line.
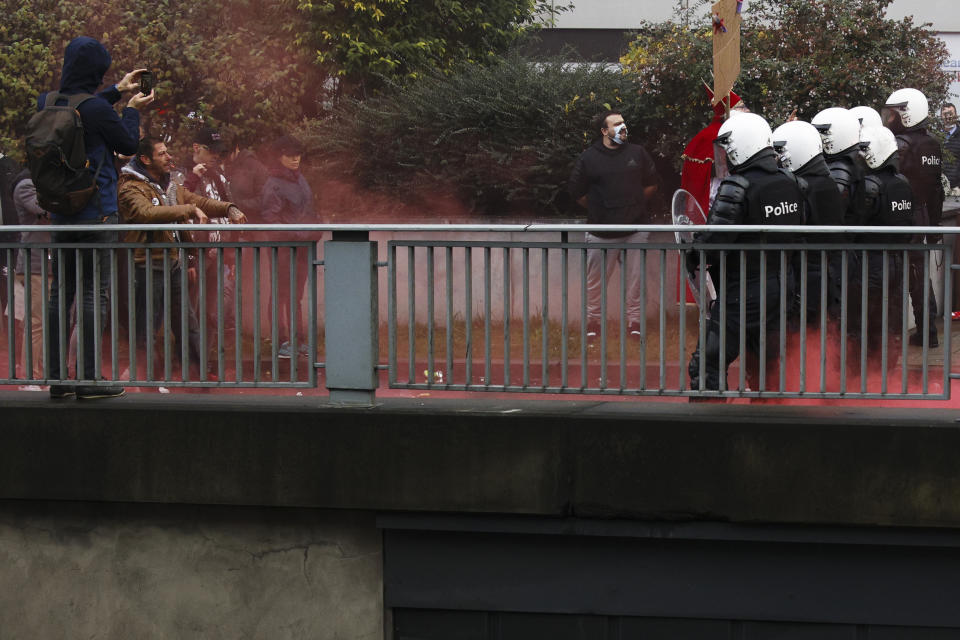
<point>794,54</point>
<point>237,66</point>
<point>503,136</point>
<point>362,40</point>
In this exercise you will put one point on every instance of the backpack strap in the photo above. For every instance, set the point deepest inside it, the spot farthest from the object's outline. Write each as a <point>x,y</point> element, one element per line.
<point>73,101</point>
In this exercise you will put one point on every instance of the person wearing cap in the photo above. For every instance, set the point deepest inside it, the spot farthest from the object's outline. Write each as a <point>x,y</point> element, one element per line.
<point>288,199</point>
<point>207,178</point>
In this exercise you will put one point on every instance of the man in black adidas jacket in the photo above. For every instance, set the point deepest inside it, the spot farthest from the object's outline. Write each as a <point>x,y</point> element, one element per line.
<point>614,179</point>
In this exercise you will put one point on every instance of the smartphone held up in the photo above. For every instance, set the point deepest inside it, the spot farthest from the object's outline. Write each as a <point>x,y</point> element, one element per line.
<point>146,82</point>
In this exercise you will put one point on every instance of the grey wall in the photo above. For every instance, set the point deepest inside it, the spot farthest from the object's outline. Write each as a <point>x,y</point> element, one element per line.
<point>87,570</point>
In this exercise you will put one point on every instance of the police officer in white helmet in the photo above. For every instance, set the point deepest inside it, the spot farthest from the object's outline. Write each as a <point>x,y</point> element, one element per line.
<point>800,149</point>
<point>757,192</point>
<point>906,113</point>
<point>889,203</point>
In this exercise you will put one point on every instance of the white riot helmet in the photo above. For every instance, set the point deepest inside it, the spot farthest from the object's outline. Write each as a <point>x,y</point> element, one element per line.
<point>743,136</point>
<point>839,130</point>
<point>877,144</point>
<point>797,143</point>
<point>905,109</point>
<point>867,116</point>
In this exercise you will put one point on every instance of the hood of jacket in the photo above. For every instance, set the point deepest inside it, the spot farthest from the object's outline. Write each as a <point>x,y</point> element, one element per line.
<point>135,169</point>
<point>85,62</point>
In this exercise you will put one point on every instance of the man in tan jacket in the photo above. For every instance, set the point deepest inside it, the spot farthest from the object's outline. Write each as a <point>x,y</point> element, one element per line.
<point>147,196</point>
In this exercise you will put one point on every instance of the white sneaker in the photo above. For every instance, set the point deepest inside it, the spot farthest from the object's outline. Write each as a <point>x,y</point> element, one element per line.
<point>163,390</point>
<point>30,387</point>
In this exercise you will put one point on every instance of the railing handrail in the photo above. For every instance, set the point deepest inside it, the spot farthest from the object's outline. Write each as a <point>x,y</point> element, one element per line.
<point>487,228</point>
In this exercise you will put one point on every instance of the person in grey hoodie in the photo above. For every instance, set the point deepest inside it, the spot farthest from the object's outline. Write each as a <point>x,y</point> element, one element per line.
<point>30,269</point>
<point>288,199</point>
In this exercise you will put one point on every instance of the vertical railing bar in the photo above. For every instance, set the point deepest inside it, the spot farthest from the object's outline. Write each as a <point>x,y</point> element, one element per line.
<point>864,283</point>
<point>11,317</point>
<point>663,318</point>
<point>430,312</point>
<point>506,316</point>
<point>762,375</point>
<point>783,320</point>
<point>167,322</point>
<point>294,316</point>
<point>132,314</point>
<point>391,314</point>
<point>79,315</point>
<point>114,316</point>
<point>275,313</point>
<point>257,311</point>
<point>584,324</point>
<point>564,314</point>
<point>45,305</point>
<point>904,314</point>
<point>27,306</point>
<point>701,320</point>
<point>525,302</point>
<point>412,312</point>
<point>947,315</point>
<point>468,312</point>
<point>238,313</point>
<point>681,321</point>
<point>185,316</point>
<point>603,318</point>
<point>824,266</point>
<point>844,311</point>
<point>643,323</point>
<point>925,366</point>
<point>312,300</point>
<point>743,327</point>
<point>221,318</point>
<point>148,278</point>
<point>201,310</point>
<point>804,280</point>
<point>450,324</point>
<point>623,318</point>
<point>545,317</point>
<point>487,312</point>
<point>97,315</point>
<point>884,321</point>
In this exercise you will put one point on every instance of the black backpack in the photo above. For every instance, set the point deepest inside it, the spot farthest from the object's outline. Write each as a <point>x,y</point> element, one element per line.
<point>57,157</point>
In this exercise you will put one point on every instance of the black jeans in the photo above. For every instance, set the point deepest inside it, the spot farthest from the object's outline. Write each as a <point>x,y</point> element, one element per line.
<point>92,300</point>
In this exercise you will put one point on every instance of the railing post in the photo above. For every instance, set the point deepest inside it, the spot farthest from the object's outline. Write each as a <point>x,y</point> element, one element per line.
<point>351,317</point>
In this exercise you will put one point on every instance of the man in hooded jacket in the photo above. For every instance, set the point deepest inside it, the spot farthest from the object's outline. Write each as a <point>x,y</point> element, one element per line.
<point>85,62</point>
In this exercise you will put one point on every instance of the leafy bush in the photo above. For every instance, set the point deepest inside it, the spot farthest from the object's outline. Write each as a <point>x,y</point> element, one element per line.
<point>794,54</point>
<point>503,136</point>
<point>361,40</point>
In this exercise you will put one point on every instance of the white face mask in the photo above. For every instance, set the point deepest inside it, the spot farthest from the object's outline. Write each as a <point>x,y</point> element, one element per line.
<point>620,133</point>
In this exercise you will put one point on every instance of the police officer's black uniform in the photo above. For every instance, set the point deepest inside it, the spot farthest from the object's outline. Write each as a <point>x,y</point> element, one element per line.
<point>889,202</point>
<point>824,207</point>
<point>756,193</point>
<point>848,172</point>
<point>921,161</point>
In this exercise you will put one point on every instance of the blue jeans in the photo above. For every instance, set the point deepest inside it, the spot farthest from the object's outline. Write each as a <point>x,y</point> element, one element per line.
<point>92,303</point>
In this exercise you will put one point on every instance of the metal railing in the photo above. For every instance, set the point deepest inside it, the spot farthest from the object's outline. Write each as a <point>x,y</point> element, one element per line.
<point>506,312</point>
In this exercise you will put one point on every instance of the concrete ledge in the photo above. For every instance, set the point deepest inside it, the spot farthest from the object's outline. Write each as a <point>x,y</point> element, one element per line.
<point>647,461</point>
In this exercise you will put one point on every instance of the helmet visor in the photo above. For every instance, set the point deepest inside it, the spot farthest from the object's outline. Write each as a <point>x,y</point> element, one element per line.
<point>721,166</point>
<point>892,116</point>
